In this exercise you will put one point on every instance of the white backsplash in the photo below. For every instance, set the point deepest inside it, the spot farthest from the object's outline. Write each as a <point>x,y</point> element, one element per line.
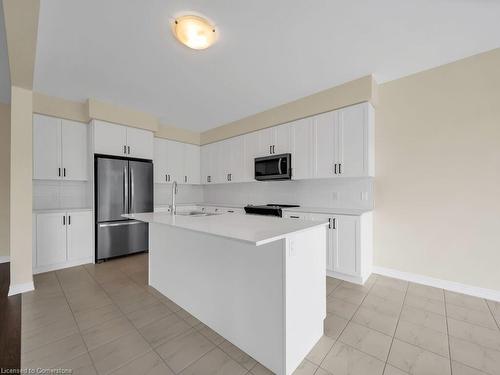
<point>338,193</point>
<point>185,194</point>
<point>48,194</point>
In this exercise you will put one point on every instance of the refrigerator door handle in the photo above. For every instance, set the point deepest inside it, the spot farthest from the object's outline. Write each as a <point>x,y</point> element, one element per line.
<point>131,196</point>
<point>125,191</point>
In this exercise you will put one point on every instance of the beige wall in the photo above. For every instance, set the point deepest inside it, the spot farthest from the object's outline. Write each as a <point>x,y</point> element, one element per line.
<point>57,107</point>
<point>181,135</point>
<point>21,186</point>
<point>437,185</point>
<point>121,115</point>
<point>5,180</point>
<point>357,91</point>
<point>21,26</point>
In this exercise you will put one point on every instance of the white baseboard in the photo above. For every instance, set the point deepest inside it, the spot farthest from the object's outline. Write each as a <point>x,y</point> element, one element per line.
<point>21,288</point>
<point>4,259</point>
<point>59,266</point>
<point>491,294</point>
<point>352,279</point>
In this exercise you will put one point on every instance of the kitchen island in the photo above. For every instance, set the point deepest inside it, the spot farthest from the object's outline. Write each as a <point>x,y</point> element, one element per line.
<point>257,281</point>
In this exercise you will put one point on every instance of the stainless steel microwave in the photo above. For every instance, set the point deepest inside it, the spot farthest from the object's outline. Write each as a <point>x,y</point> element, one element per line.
<point>274,167</point>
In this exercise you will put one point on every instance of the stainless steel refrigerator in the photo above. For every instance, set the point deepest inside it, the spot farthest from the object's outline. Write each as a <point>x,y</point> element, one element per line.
<point>121,186</point>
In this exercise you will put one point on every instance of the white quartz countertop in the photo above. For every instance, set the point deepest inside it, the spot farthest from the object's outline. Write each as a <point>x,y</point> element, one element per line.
<point>329,210</point>
<point>55,210</point>
<point>256,229</point>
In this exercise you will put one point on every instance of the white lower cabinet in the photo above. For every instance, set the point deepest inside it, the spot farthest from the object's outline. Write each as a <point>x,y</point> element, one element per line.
<point>63,239</point>
<point>349,244</point>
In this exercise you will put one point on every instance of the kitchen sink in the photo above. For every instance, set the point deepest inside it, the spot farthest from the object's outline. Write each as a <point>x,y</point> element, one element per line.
<point>196,213</point>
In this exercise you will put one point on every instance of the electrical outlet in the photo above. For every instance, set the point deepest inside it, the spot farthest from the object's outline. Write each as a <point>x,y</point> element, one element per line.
<point>335,195</point>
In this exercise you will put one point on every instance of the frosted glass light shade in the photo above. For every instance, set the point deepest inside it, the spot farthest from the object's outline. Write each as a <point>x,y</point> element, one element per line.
<point>194,31</point>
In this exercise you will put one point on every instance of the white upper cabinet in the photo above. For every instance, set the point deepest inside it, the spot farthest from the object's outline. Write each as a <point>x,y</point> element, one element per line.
<point>282,139</point>
<point>325,147</point>
<point>110,139</point>
<point>59,149</point>
<point>192,164</point>
<point>329,145</point>
<point>343,142</point>
<point>139,143</point>
<point>120,140</point>
<point>355,141</point>
<point>160,161</point>
<point>176,161</point>
<point>302,149</point>
<point>46,148</point>
<point>274,140</point>
<point>251,151</point>
<point>74,150</point>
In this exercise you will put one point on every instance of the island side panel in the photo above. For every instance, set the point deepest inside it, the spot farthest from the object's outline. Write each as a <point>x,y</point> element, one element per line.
<point>234,287</point>
<point>305,302</point>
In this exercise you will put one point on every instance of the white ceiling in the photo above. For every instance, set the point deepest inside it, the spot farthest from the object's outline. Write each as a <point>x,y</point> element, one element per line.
<point>268,52</point>
<point>4,63</point>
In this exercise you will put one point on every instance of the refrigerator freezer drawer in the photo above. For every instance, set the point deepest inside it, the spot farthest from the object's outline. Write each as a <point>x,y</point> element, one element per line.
<point>121,238</point>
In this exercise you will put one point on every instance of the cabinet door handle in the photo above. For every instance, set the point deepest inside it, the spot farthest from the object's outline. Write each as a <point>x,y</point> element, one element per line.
<point>128,147</point>
<point>273,149</point>
<point>69,219</point>
<point>64,219</point>
<point>185,179</point>
<point>64,172</point>
<point>340,168</point>
<point>334,223</point>
<point>125,149</point>
<point>335,169</point>
<point>294,217</point>
<point>59,172</point>
<point>329,223</point>
<point>270,149</point>
<point>230,177</point>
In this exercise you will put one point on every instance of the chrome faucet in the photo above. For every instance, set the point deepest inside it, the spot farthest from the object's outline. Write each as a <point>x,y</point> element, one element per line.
<point>173,207</point>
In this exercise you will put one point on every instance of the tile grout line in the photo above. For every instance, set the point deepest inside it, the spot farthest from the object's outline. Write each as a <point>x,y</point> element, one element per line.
<point>447,331</point>
<point>493,315</point>
<point>74,318</point>
<point>396,329</point>
<point>136,329</point>
<point>349,320</point>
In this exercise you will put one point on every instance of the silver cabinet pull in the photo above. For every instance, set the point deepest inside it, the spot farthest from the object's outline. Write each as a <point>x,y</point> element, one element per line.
<point>335,169</point>
<point>273,149</point>
<point>125,149</point>
<point>64,172</point>
<point>270,149</point>
<point>128,147</point>
<point>294,217</point>
<point>64,219</point>
<point>69,219</point>
<point>329,223</point>
<point>185,179</point>
<point>340,168</point>
<point>334,223</point>
<point>59,172</point>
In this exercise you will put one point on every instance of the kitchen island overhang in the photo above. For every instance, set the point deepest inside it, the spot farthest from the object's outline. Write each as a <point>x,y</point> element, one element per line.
<point>257,281</point>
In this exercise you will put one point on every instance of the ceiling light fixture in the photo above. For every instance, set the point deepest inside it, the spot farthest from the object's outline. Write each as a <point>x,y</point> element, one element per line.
<point>194,31</point>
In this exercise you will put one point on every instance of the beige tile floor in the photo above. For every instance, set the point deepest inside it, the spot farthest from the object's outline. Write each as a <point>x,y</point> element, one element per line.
<point>104,319</point>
